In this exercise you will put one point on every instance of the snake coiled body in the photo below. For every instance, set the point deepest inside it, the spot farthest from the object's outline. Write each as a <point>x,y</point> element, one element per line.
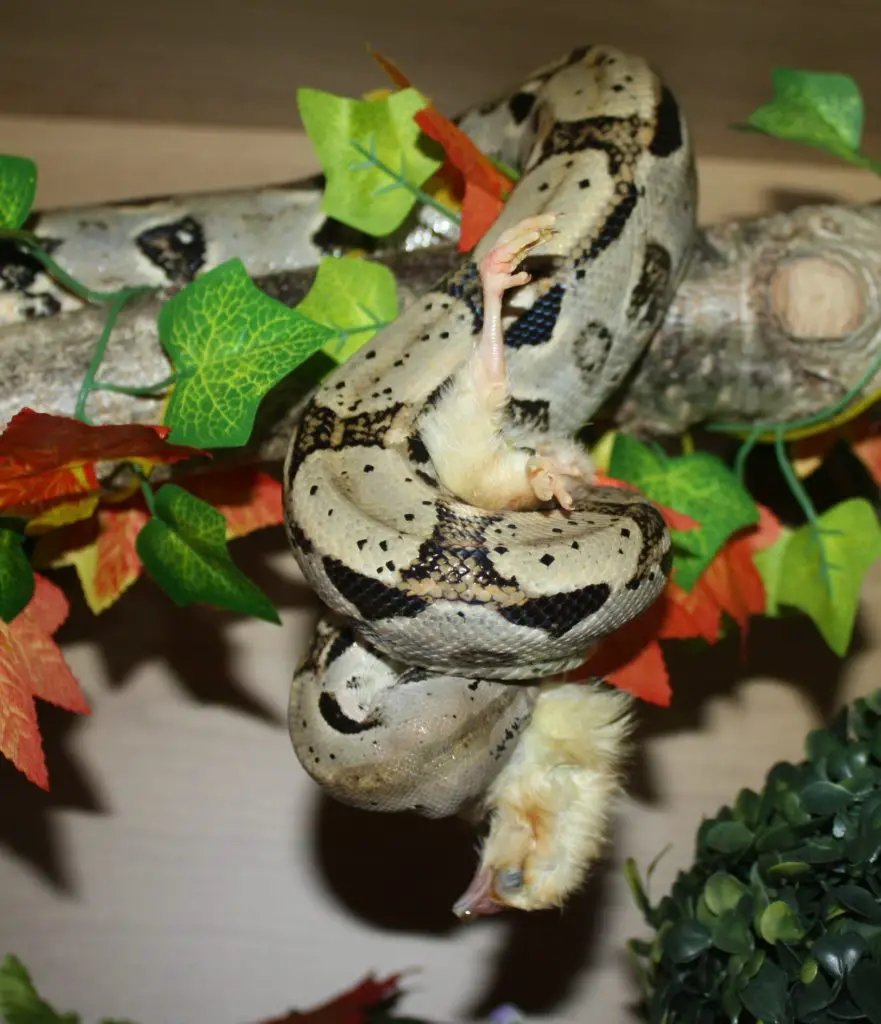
<point>443,617</point>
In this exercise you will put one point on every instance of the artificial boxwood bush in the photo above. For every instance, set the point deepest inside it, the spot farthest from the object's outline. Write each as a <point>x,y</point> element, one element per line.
<point>779,918</point>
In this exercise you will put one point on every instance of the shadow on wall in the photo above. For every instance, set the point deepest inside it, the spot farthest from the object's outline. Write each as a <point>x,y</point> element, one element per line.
<point>143,626</point>
<point>403,873</point>
<point>397,872</point>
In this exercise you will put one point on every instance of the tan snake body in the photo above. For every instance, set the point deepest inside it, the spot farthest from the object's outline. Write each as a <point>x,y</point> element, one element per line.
<point>409,695</point>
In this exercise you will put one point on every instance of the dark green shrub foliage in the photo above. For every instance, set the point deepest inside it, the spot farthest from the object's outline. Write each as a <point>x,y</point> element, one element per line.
<point>779,918</point>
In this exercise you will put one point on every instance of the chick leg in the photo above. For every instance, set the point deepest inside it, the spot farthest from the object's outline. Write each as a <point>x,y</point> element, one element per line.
<point>465,431</point>
<point>550,805</point>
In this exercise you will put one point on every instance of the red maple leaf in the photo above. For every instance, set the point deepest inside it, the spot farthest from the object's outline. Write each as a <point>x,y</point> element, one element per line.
<point>631,659</point>
<point>103,549</point>
<point>348,1008</point>
<point>32,665</point>
<point>46,459</point>
<point>468,171</point>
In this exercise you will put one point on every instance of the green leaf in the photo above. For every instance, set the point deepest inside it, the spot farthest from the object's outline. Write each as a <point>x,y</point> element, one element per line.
<point>183,547</point>
<point>16,575</point>
<point>766,996</point>
<point>732,934</point>
<point>20,1003</point>
<point>731,837</point>
<point>813,995</point>
<point>686,940</point>
<point>823,797</point>
<point>373,155</point>
<point>819,109</point>
<point>864,986</point>
<point>779,923</point>
<point>230,343</point>
<point>789,869</point>
<point>355,298</point>
<point>637,889</point>
<point>701,486</point>
<point>859,900</point>
<point>838,955</point>
<point>18,187</point>
<point>723,892</point>
<point>851,538</point>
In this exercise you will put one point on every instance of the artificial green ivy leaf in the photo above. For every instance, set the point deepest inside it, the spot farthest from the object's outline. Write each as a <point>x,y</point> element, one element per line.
<point>770,562</point>
<point>851,541</point>
<point>701,486</point>
<point>779,923</point>
<point>16,575</point>
<point>373,155</point>
<point>18,187</point>
<point>816,108</point>
<point>355,298</point>
<point>230,343</point>
<point>766,996</point>
<point>183,547</point>
<point>20,1003</point>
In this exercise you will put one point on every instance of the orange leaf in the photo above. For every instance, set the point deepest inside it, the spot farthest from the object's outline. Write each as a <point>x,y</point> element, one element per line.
<point>766,531</point>
<point>46,458</point>
<point>485,187</point>
<point>690,614</point>
<point>32,665</point>
<point>349,1008</point>
<point>631,659</point>
<point>866,446</point>
<point>108,564</point>
<point>735,583</point>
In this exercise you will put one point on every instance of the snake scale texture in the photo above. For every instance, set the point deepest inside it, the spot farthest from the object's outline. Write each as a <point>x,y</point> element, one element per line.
<point>446,616</point>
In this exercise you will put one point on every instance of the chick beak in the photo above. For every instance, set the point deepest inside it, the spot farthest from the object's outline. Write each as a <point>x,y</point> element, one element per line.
<point>478,899</point>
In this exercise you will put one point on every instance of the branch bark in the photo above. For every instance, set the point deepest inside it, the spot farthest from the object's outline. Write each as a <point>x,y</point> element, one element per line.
<point>778,318</point>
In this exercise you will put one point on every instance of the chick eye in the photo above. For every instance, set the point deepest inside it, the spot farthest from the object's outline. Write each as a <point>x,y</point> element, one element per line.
<point>509,881</point>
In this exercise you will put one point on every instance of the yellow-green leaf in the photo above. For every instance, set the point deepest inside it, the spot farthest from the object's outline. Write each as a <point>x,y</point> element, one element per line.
<point>355,298</point>
<point>183,547</point>
<point>230,343</point>
<point>373,154</point>
<point>820,109</point>
<point>18,187</point>
<point>779,923</point>
<point>851,542</point>
<point>770,562</point>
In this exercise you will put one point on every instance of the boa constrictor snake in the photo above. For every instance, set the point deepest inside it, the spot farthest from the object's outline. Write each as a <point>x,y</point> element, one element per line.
<point>433,682</point>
